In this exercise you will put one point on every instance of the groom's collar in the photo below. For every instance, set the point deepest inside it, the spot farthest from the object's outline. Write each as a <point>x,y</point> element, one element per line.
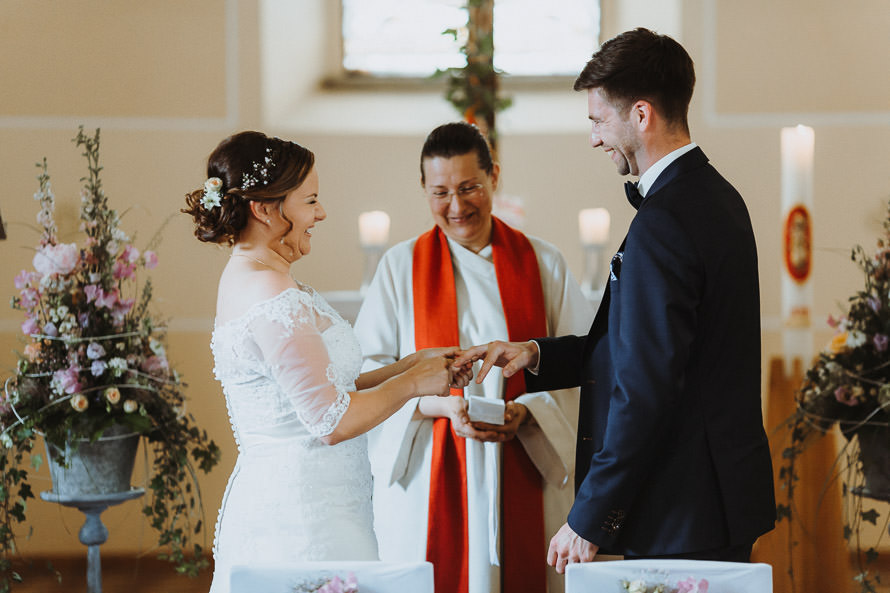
<point>647,179</point>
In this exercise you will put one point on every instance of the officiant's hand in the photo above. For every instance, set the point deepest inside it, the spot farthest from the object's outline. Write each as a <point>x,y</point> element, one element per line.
<point>515,415</point>
<point>512,356</point>
<point>567,547</point>
<point>455,409</point>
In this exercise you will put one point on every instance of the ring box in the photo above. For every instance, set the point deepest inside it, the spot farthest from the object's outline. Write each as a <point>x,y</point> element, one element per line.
<point>483,409</point>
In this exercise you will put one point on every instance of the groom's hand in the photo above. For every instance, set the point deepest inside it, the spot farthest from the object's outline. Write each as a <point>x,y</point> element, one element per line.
<point>567,547</point>
<point>512,356</point>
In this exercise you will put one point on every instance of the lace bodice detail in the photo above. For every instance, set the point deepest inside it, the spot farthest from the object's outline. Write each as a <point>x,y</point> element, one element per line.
<point>289,360</point>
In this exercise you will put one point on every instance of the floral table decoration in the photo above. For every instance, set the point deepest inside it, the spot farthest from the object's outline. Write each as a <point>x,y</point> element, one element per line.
<point>94,359</point>
<point>848,386</point>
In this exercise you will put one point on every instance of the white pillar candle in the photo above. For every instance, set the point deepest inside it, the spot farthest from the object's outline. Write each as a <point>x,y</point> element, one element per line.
<point>593,225</point>
<point>797,144</point>
<point>373,228</point>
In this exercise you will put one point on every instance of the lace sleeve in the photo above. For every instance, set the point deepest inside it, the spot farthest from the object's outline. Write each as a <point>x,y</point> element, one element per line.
<point>288,335</point>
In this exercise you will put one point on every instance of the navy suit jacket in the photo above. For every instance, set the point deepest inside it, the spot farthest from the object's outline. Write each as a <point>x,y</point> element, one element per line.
<point>672,456</point>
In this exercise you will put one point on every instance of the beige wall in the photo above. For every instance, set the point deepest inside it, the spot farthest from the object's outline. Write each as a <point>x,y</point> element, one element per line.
<point>167,80</point>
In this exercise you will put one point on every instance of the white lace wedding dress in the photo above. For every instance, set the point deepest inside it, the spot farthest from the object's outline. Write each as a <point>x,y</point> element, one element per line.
<point>287,366</point>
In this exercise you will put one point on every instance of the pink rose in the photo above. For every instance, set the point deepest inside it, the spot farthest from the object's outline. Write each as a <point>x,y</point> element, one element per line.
<point>130,254</point>
<point>151,259</point>
<point>23,279</point>
<point>123,270</point>
<point>56,259</point>
<point>29,327</point>
<point>154,365</point>
<point>67,380</point>
<point>30,298</point>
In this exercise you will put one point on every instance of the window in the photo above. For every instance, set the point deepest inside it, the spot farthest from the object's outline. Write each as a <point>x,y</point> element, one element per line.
<point>405,39</point>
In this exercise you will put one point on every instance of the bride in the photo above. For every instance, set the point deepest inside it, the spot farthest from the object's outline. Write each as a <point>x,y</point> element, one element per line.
<point>289,367</point>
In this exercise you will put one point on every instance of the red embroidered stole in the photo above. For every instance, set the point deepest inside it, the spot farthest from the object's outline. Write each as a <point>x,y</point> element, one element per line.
<point>436,324</point>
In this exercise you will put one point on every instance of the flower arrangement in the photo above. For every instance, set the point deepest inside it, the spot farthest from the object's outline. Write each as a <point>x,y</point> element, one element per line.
<point>849,387</point>
<point>95,357</point>
<point>329,585</point>
<point>687,585</point>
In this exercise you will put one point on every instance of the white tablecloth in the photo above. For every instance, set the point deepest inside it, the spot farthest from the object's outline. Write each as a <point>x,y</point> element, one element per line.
<point>373,577</point>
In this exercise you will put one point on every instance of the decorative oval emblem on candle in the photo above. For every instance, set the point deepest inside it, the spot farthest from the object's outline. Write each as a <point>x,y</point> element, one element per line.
<point>798,252</point>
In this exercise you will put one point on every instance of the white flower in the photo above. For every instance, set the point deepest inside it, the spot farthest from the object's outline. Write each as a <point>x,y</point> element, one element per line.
<point>112,248</point>
<point>117,365</point>
<point>130,406</point>
<point>637,586</point>
<point>156,347</point>
<point>856,338</point>
<point>212,196</point>
<point>6,440</point>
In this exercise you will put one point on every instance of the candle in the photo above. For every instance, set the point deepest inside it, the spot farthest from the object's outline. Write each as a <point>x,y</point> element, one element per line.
<point>373,228</point>
<point>798,145</point>
<point>593,224</point>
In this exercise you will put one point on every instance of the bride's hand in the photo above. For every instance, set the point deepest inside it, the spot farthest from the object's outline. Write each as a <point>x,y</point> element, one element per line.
<point>461,375</point>
<point>431,375</point>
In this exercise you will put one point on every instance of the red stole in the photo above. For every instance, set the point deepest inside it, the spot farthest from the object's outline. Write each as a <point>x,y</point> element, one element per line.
<point>436,324</point>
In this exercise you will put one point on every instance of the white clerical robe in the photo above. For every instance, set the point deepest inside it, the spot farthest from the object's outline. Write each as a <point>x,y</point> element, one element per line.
<point>401,448</point>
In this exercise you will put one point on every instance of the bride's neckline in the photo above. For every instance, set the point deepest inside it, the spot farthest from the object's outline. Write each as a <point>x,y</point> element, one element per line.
<point>299,288</point>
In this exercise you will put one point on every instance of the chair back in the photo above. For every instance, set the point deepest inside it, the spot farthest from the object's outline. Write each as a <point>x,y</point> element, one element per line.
<point>372,577</point>
<point>675,576</point>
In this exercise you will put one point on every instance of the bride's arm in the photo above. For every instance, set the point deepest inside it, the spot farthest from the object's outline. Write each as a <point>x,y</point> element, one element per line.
<point>375,377</point>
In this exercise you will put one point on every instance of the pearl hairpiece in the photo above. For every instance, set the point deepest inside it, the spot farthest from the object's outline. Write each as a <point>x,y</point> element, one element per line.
<point>212,196</point>
<point>260,174</point>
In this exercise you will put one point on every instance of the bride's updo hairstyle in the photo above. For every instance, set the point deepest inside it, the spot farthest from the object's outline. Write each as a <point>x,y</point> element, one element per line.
<point>247,167</point>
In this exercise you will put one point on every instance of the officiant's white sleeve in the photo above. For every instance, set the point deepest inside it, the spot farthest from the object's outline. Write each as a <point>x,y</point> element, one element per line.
<point>549,441</point>
<point>287,334</point>
<point>385,329</point>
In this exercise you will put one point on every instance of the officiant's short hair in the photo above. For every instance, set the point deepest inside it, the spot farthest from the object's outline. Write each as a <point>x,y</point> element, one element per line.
<point>641,64</point>
<point>456,139</point>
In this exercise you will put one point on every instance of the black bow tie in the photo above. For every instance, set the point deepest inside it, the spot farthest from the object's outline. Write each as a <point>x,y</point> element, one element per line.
<point>633,194</point>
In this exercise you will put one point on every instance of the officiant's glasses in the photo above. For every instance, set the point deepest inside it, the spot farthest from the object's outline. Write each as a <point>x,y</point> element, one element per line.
<point>464,191</point>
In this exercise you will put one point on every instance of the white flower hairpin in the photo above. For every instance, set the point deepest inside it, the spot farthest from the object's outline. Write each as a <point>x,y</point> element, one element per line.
<point>212,196</point>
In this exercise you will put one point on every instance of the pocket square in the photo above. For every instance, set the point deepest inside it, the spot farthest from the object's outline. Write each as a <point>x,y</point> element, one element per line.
<point>615,266</point>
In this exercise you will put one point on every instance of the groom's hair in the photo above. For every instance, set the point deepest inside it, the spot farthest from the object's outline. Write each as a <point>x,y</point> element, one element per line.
<point>642,64</point>
<point>456,139</point>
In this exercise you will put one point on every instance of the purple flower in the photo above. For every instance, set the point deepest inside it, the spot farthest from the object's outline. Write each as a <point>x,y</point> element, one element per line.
<point>51,330</point>
<point>845,396</point>
<point>95,350</point>
<point>98,368</point>
<point>84,320</point>
<point>881,342</point>
<point>874,303</point>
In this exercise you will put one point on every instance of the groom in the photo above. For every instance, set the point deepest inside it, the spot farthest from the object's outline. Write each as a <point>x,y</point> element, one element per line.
<point>672,458</point>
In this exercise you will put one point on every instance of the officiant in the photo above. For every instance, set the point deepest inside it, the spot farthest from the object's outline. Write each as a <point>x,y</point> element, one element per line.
<point>477,499</point>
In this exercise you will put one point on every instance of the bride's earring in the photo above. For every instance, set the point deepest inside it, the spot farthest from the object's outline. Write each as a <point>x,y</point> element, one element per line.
<point>268,221</point>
